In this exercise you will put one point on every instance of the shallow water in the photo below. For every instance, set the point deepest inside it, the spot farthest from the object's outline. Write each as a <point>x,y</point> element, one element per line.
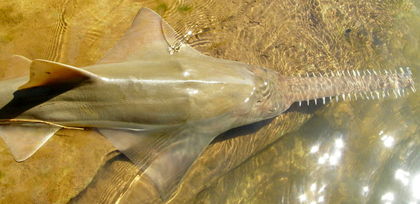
<point>346,152</point>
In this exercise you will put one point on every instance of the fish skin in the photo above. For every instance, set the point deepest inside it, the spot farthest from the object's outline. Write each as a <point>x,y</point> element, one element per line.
<point>162,92</point>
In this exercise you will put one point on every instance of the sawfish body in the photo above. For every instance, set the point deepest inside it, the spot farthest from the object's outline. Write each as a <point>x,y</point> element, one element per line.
<point>161,109</point>
<point>153,93</point>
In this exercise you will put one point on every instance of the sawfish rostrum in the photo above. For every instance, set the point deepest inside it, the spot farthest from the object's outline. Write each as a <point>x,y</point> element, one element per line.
<point>161,107</point>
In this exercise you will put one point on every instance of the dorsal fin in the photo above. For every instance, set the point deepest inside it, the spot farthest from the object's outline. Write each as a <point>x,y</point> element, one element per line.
<point>148,35</point>
<point>45,73</point>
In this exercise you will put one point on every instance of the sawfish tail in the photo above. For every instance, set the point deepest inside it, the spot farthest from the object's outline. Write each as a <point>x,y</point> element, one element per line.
<point>349,85</point>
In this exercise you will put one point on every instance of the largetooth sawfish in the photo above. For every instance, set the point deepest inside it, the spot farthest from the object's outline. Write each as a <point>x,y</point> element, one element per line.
<point>162,107</point>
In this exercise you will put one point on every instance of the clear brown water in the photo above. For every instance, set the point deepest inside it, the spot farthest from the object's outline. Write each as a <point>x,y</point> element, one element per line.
<point>346,152</point>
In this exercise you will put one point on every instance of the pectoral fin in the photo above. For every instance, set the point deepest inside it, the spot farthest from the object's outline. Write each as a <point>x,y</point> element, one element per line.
<point>149,35</point>
<point>24,140</point>
<point>44,73</point>
<point>164,155</point>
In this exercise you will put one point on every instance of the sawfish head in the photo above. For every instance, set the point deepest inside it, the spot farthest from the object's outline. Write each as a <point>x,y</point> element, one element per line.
<point>269,98</point>
<point>152,38</point>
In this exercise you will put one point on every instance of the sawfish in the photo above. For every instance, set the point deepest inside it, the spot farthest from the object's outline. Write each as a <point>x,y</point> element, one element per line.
<point>161,102</point>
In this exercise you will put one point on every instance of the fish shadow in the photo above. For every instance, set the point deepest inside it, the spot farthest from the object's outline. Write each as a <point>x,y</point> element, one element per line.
<point>255,127</point>
<point>26,99</point>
